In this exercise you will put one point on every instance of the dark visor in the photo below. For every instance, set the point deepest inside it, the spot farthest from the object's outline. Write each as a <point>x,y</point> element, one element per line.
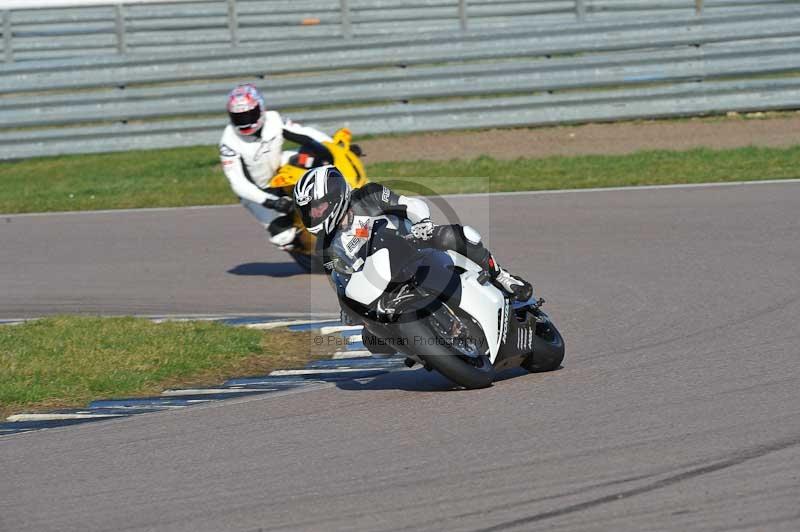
<point>317,211</point>
<point>247,118</point>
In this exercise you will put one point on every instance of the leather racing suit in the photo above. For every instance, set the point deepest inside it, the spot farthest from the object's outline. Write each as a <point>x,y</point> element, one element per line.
<point>249,162</point>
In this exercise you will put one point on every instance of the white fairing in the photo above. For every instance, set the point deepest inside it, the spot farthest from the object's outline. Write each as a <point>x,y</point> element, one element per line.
<point>368,284</point>
<point>482,302</point>
<point>463,262</point>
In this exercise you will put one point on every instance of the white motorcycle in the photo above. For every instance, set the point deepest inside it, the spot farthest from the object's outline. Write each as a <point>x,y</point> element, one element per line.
<point>440,309</point>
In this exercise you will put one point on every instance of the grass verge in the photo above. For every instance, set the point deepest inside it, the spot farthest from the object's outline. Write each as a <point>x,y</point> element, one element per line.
<point>67,361</point>
<point>590,171</point>
<point>191,176</point>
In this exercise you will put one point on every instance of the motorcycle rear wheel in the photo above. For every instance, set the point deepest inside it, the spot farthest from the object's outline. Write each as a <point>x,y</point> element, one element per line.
<point>470,372</point>
<point>548,349</point>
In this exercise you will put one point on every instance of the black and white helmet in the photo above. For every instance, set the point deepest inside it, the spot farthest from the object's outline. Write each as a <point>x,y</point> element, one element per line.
<point>322,196</point>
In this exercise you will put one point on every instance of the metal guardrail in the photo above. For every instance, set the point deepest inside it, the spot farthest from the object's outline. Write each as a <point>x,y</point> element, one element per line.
<point>630,67</point>
<point>131,26</point>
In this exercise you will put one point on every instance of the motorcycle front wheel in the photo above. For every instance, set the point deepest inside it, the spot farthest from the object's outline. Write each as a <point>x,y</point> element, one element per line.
<point>548,349</point>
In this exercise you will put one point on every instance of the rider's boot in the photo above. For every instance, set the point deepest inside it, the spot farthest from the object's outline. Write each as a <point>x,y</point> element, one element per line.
<point>515,286</point>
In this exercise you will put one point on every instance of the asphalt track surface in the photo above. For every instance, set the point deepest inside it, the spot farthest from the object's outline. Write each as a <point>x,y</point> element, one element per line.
<point>678,407</point>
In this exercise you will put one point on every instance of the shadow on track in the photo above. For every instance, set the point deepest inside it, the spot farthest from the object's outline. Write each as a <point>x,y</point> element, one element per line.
<point>268,269</point>
<point>417,380</point>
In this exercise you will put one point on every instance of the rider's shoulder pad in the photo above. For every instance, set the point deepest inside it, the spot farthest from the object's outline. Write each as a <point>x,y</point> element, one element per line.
<point>227,151</point>
<point>370,189</point>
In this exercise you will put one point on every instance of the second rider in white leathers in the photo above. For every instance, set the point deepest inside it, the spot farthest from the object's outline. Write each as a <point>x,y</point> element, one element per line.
<point>251,151</point>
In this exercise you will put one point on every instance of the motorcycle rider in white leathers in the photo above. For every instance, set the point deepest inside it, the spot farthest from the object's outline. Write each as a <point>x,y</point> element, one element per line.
<point>251,150</point>
<point>342,220</point>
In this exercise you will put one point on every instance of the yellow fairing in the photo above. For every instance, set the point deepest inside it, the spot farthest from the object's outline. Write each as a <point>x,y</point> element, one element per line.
<point>345,160</point>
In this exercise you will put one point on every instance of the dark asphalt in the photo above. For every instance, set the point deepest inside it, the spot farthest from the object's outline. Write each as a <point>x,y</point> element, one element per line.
<point>213,260</point>
<point>678,407</point>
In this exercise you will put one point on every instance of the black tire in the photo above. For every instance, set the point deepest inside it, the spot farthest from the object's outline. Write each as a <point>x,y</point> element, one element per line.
<point>548,349</point>
<point>309,263</point>
<point>470,373</point>
<point>462,372</point>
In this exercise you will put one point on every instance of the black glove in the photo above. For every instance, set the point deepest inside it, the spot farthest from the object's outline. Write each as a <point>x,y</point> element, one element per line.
<point>283,204</point>
<point>356,149</point>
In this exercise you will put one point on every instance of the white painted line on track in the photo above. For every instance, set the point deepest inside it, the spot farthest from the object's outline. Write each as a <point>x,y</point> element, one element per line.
<point>111,422</point>
<point>283,319</point>
<point>155,405</point>
<point>465,195</point>
<point>207,391</point>
<point>277,315</point>
<point>58,417</point>
<point>276,324</point>
<point>282,372</point>
<point>351,354</point>
<point>340,328</point>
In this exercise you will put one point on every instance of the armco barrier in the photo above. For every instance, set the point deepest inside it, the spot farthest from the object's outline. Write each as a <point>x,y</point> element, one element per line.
<point>32,30</point>
<point>596,70</point>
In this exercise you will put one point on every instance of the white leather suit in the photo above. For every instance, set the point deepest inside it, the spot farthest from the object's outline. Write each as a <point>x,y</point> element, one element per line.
<point>249,162</point>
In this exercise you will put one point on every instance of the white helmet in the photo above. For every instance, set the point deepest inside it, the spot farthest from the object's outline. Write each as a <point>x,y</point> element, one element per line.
<point>246,110</point>
<point>322,196</point>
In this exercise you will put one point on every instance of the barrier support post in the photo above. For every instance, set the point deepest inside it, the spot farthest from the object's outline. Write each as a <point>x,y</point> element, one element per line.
<point>122,44</point>
<point>345,23</point>
<point>580,10</point>
<point>462,14</point>
<point>8,45</point>
<point>233,22</point>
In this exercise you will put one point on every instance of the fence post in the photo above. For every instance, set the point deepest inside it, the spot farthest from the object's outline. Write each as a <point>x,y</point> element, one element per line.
<point>233,22</point>
<point>580,9</point>
<point>346,27</point>
<point>122,44</point>
<point>462,14</point>
<point>8,46</point>
<point>698,7</point>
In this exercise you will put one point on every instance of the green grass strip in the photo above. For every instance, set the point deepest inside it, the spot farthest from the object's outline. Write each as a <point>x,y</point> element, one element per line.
<point>591,171</point>
<point>67,361</point>
<point>192,176</point>
<point>155,178</point>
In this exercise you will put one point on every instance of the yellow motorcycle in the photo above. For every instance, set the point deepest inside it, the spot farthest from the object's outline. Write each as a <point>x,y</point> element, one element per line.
<point>346,159</point>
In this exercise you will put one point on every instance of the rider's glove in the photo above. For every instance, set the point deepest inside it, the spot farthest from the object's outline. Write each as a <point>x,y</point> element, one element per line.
<point>423,230</point>
<point>283,204</point>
